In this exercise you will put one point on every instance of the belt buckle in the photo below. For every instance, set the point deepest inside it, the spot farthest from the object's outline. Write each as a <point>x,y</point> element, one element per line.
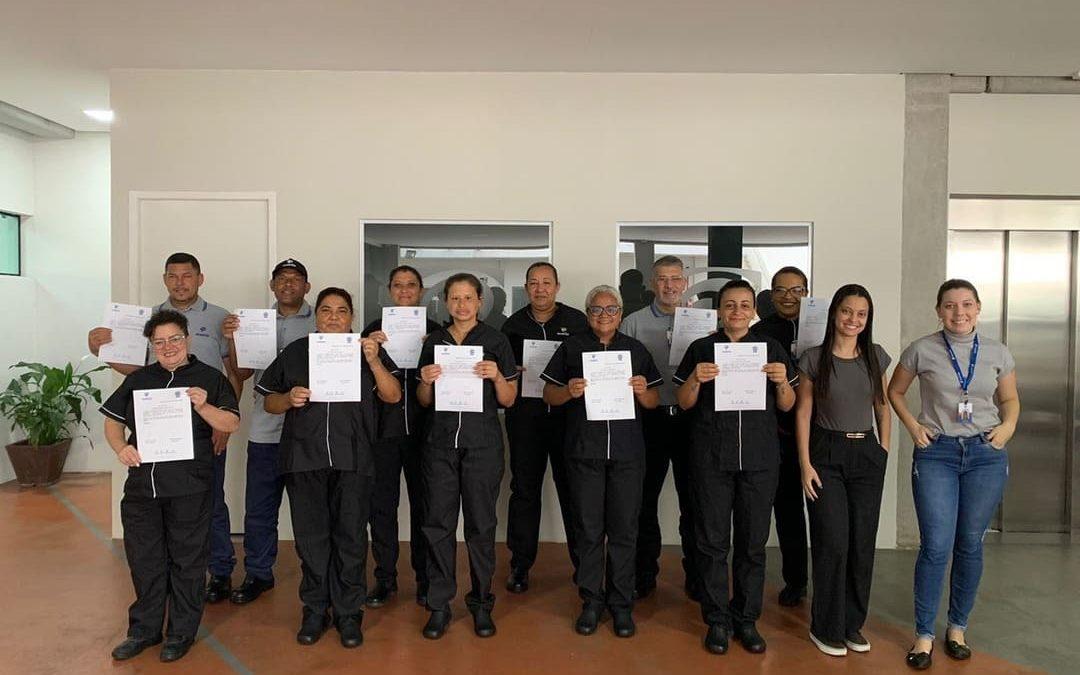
<point>857,434</point>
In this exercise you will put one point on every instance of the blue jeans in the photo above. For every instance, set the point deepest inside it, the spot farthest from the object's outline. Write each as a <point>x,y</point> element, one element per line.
<point>957,483</point>
<point>262,501</point>
<point>222,554</point>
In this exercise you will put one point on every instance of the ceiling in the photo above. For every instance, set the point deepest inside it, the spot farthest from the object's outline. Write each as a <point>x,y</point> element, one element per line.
<point>55,54</point>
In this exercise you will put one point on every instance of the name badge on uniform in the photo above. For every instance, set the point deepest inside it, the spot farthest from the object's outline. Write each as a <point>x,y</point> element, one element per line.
<point>964,410</point>
<point>669,331</point>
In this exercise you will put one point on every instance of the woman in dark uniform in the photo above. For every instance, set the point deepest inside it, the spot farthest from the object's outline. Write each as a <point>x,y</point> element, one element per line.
<point>165,510</point>
<point>605,464</point>
<point>734,460</point>
<point>326,456</point>
<point>463,460</point>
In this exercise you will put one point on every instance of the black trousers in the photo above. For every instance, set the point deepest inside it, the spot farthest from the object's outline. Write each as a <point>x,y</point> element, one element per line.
<point>533,440</point>
<point>469,479</point>
<point>667,439</point>
<point>733,512</point>
<point>606,503</point>
<point>392,456</point>
<point>843,530</point>
<point>790,516</point>
<point>330,512</point>
<point>167,542</point>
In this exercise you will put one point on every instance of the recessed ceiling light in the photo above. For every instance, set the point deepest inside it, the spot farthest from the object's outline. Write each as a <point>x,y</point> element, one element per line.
<point>105,116</point>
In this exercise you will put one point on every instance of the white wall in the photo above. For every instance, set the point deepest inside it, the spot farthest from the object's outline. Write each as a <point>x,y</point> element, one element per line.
<point>583,151</point>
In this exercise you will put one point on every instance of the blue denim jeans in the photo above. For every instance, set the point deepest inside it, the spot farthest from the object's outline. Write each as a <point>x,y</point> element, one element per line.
<point>222,554</point>
<point>957,483</point>
<point>262,501</point>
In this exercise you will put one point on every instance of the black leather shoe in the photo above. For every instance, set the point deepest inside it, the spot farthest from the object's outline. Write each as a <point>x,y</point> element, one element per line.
<point>133,646</point>
<point>623,623</point>
<point>312,626</point>
<point>437,624</point>
<point>751,640</point>
<point>955,650</point>
<point>716,640</point>
<point>919,660</point>
<point>518,581</point>
<point>175,648</point>
<point>217,589</point>
<point>791,596</point>
<point>349,630</point>
<point>588,620</point>
<point>482,623</point>
<point>381,594</point>
<point>644,590</point>
<point>250,590</point>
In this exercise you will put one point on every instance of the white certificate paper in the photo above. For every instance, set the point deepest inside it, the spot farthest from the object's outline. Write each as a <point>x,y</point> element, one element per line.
<point>458,388</point>
<point>405,328</point>
<point>128,344</point>
<point>256,338</point>
<point>608,395</point>
<point>741,382</point>
<point>334,367</point>
<point>535,354</point>
<point>691,323</point>
<point>813,319</point>
<point>163,425</point>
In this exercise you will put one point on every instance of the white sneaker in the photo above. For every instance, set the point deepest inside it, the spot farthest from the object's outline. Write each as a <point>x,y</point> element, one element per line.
<point>857,643</point>
<point>830,648</point>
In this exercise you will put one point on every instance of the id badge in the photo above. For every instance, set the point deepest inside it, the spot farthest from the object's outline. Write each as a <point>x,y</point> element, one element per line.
<point>669,332</point>
<point>964,410</point>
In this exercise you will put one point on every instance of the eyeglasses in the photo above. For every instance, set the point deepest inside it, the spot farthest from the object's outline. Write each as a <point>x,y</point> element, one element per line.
<point>610,310</point>
<point>797,291</point>
<point>172,341</point>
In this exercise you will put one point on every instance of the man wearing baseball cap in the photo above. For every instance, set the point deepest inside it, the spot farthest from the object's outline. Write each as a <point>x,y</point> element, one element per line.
<point>295,319</point>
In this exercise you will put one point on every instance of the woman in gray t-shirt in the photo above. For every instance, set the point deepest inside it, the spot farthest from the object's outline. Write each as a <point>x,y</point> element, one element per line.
<point>967,385</point>
<point>840,397</point>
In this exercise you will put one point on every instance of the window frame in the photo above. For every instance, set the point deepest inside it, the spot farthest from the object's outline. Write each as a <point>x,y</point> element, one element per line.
<point>18,245</point>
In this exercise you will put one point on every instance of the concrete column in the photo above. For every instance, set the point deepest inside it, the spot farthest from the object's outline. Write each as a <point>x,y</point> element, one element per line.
<point>924,244</point>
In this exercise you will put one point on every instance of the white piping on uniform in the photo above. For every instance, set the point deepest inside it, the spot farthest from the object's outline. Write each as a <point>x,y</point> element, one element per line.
<point>329,456</point>
<point>405,385</point>
<point>740,441</point>
<point>153,485</point>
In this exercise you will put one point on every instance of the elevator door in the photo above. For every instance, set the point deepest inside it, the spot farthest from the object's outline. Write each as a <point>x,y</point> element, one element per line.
<point>1026,281</point>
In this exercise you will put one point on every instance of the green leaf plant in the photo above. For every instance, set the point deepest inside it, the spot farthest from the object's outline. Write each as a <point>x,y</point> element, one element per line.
<point>47,403</point>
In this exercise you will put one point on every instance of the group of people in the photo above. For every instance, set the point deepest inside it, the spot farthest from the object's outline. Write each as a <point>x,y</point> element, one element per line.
<point>821,439</point>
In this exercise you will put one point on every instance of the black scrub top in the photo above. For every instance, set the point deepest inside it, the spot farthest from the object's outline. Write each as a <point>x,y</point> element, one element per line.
<point>324,435</point>
<point>521,326</point>
<point>744,440</point>
<point>185,476</point>
<point>470,429</point>
<point>406,417</point>
<point>616,440</point>
<point>784,331</point>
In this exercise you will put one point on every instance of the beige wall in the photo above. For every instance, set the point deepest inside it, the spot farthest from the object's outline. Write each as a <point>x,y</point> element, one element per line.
<point>582,151</point>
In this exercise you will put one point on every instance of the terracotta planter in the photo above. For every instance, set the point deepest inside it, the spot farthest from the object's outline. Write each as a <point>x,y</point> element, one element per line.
<point>38,465</point>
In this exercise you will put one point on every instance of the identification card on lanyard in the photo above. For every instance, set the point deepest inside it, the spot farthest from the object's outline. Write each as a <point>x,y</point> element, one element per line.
<point>965,409</point>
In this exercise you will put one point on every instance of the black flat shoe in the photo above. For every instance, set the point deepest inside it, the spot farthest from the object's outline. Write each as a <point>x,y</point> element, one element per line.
<point>588,620</point>
<point>750,638</point>
<point>349,630</point>
<point>791,596</point>
<point>381,594</point>
<point>483,625</point>
<point>250,590</point>
<point>312,626</point>
<point>919,660</point>
<point>133,646</point>
<point>955,650</point>
<point>518,581</point>
<point>623,623</point>
<point>437,624</point>
<point>175,648</point>
<point>716,640</point>
<point>217,589</point>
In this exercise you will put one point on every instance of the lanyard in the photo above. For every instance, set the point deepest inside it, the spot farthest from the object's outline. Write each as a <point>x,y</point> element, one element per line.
<point>964,382</point>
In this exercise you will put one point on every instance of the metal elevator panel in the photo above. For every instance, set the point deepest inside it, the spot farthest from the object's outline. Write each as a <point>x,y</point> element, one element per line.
<point>979,257</point>
<point>1038,323</point>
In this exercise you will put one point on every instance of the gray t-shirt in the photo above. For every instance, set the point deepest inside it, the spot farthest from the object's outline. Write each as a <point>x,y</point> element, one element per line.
<point>652,328</point>
<point>265,427</point>
<point>208,343</point>
<point>940,390</point>
<point>849,405</point>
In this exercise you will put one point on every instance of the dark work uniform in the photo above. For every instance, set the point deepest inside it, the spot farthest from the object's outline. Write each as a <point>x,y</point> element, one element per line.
<point>734,458</point>
<point>166,506</point>
<point>536,432</point>
<point>605,467</point>
<point>327,459</point>
<point>788,505</point>
<point>463,465</point>
<point>397,450</point>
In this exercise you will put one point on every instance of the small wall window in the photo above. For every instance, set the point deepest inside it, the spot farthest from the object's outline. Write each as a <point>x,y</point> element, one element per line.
<point>9,244</point>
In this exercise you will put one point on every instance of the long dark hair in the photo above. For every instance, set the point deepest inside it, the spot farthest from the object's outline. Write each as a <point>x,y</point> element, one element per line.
<point>864,342</point>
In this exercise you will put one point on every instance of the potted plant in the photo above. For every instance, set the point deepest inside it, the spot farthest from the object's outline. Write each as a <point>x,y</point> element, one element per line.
<point>46,403</point>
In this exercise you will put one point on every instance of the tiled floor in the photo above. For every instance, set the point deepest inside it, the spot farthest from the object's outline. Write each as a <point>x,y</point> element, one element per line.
<point>66,590</point>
